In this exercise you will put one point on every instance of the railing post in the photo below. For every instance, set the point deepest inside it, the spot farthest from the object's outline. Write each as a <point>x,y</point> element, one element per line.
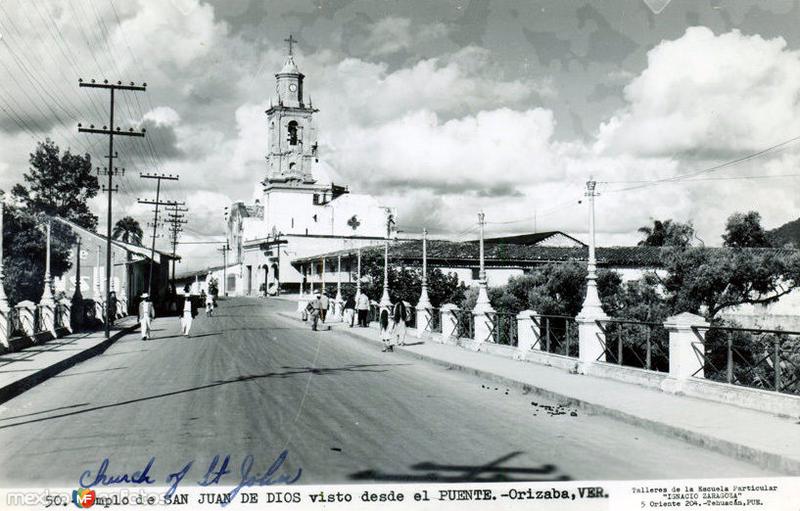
<point>66,313</point>
<point>684,361</point>
<point>484,326</point>
<point>423,319</point>
<point>449,321</point>
<point>591,342</point>
<point>47,317</point>
<point>25,312</point>
<point>527,331</point>
<point>5,323</point>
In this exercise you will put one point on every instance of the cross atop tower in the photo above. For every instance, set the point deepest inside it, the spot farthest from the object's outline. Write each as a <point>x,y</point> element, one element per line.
<point>291,40</point>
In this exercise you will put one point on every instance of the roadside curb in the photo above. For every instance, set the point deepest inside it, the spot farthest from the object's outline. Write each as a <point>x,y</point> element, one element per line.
<point>18,387</point>
<point>764,459</point>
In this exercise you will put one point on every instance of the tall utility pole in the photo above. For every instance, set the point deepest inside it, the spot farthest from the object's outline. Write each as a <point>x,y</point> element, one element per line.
<point>156,203</point>
<point>225,249</point>
<point>176,218</point>
<point>110,131</point>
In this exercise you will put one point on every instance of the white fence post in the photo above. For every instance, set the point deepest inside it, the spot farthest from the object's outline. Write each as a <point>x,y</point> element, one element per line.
<point>684,361</point>
<point>449,321</point>
<point>483,326</point>
<point>591,342</point>
<point>527,331</point>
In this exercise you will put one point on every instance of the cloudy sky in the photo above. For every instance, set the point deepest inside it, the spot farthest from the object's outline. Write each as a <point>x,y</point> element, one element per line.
<point>439,108</point>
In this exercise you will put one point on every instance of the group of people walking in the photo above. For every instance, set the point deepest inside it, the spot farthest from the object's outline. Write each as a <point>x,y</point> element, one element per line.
<point>188,309</point>
<point>392,320</point>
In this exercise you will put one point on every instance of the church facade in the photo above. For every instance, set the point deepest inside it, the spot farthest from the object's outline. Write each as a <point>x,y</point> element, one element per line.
<point>296,215</point>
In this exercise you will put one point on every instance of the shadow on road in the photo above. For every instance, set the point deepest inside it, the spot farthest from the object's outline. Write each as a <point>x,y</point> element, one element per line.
<point>292,371</point>
<point>492,472</point>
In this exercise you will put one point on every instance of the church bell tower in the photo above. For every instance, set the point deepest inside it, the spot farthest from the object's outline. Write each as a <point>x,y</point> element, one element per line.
<point>292,139</point>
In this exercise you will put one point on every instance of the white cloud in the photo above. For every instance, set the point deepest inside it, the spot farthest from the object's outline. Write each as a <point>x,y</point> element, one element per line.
<point>709,94</point>
<point>393,34</point>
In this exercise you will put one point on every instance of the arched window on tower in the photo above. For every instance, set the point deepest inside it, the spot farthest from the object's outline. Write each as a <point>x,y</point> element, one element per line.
<point>292,132</point>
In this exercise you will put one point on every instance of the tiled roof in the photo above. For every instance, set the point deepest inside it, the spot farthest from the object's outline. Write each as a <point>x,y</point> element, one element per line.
<point>467,254</point>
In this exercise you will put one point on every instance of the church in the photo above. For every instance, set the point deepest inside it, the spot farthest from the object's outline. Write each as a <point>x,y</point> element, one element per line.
<point>296,215</point>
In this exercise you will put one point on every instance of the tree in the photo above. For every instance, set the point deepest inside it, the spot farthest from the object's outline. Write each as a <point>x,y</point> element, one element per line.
<point>128,230</point>
<point>59,185</point>
<point>706,281</point>
<point>744,230</point>
<point>667,234</point>
<point>56,185</point>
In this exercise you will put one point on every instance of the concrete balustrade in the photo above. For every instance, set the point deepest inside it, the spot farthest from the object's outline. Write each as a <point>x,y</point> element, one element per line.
<point>527,331</point>
<point>65,311</point>
<point>449,321</point>
<point>591,343</point>
<point>483,326</point>
<point>5,327</point>
<point>684,361</point>
<point>47,317</point>
<point>26,311</point>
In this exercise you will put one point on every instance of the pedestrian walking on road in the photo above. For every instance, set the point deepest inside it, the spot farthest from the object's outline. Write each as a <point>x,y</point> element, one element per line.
<point>146,315</point>
<point>400,317</point>
<point>349,310</point>
<point>209,304</point>
<point>111,310</point>
<point>362,305</point>
<point>313,309</point>
<point>189,312</point>
<point>384,320</point>
<point>324,303</point>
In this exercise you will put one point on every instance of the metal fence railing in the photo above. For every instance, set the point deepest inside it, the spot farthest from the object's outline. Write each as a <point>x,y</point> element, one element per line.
<point>750,357</point>
<point>434,320</point>
<point>465,324</point>
<point>556,334</point>
<point>502,328</point>
<point>638,344</point>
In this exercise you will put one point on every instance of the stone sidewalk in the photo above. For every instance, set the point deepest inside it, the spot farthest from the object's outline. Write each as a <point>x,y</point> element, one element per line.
<point>766,440</point>
<point>21,370</point>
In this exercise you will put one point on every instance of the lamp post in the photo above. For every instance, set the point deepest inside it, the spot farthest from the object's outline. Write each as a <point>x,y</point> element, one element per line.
<point>424,302</point>
<point>358,273</point>
<point>482,305</point>
<point>3,299</point>
<point>592,306</point>
<point>47,294</point>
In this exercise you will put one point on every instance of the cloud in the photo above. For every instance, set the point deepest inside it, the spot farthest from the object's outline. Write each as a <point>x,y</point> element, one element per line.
<point>393,34</point>
<point>708,95</point>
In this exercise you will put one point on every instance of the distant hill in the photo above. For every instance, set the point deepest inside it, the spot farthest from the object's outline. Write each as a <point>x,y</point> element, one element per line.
<point>787,234</point>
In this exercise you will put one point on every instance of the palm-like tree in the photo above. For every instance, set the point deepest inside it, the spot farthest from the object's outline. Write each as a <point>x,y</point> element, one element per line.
<point>128,230</point>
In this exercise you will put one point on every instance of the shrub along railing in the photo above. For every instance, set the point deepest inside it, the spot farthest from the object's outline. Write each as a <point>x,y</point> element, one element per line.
<point>639,344</point>
<point>764,359</point>
<point>556,334</point>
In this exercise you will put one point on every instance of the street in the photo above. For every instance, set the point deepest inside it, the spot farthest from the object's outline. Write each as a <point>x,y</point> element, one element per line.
<point>250,381</point>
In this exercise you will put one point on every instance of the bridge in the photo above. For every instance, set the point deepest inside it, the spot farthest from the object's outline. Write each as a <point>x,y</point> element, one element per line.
<point>254,379</point>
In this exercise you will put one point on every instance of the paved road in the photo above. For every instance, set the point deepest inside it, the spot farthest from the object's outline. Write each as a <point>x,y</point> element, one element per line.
<point>251,382</point>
